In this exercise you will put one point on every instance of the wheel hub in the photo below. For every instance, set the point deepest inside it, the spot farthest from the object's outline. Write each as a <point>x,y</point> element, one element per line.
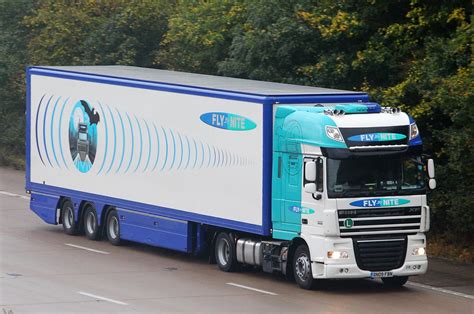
<point>114,228</point>
<point>68,220</point>
<point>90,223</point>
<point>302,267</point>
<point>223,252</point>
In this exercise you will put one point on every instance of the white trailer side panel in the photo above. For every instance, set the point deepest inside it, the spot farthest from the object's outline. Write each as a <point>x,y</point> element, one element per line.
<point>148,146</point>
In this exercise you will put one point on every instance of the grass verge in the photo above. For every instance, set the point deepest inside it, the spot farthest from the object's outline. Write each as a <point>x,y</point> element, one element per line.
<point>461,251</point>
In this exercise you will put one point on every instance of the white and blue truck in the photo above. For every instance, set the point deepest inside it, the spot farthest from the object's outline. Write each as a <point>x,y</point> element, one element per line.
<point>314,183</point>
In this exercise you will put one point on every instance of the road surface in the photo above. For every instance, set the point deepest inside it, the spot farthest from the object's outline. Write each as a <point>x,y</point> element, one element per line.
<point>44,270</point>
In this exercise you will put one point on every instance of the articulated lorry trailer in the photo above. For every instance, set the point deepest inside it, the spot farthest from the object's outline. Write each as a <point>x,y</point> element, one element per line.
<point>314,183</point>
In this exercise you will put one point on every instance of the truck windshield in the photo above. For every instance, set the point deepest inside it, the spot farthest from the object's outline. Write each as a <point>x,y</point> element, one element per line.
<point>373,176</point>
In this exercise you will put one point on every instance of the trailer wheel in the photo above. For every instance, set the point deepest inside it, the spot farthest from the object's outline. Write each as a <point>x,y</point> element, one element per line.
<point>302,267</point>
<point>91,225</point>
<point>69,218</point>
<point>113,228</point>
<point>395,281</point>
<point>225,253</point>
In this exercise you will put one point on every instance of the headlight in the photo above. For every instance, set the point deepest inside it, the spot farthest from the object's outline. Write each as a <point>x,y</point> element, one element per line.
<point>333,133</point>
<point>419,251</point>
<point>413,131</point>
<point>337,254</point>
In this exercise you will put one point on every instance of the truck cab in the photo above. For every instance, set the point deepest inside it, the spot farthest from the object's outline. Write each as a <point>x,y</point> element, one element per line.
<point>350,180</point>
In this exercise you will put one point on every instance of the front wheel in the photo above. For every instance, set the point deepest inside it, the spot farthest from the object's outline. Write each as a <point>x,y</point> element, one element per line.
<point>225,253</point>
<point>395,281</point>
<point>302,267</point>
<point>113,228</point>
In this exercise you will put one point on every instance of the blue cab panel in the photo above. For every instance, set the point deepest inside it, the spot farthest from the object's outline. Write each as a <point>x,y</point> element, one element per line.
<point>44,206</point>
<point>156,230</point>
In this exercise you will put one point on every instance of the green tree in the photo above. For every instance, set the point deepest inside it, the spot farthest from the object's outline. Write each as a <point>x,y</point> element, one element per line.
<point>13,58</point>
<point>97,32</point>
<point>199,36</point>
<point>414,54</point>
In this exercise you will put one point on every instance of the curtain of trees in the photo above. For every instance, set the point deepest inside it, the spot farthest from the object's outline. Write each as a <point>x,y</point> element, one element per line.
<point>413,54</point>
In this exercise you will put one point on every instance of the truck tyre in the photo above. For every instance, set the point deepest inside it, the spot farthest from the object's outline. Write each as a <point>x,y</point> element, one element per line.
<point>113,228</point>
<point>91,224</point>
<point>70,226</point>
<point>302,267</point>
<point>225,253</point>
<point>395,281</point>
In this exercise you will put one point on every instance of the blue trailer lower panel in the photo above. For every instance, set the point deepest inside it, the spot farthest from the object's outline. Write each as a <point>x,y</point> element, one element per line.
<point>156,230</point>
<point>45,206</point>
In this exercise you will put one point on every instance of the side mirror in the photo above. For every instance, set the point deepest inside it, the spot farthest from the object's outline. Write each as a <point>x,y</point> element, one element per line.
<point>310,188</point>
<point>431,169</point>
<point>432,184</point>
<point>310,171</point>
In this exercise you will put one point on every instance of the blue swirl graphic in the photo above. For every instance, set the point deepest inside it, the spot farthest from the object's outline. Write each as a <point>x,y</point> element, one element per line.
<point>123,141</point>
<point>133,143</point>
<point>166,149</point>
<point>149,145</point>
<point>158,149</point>
<point>115,140</point>
<point>44,131</point>
<point>202,154</point>
<point>60,133</point>
<point>52,132</point>
<point>174,150</point>
<point>106,139</point>
<point>196,153</point>
<point>36,129</point>
<point>181,151</point>
<point>215,156</point>
<point>141,145</point>
<point>189,153</point>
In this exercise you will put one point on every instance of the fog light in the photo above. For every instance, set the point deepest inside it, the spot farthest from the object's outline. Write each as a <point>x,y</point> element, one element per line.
<point>418,251</point>
<point>337,254</point>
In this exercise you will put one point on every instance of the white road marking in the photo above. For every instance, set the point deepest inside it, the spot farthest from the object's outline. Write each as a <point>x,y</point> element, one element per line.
<point>85,248</point>
<point>14,195</point>
<point>97,297</point>
<point>459,294</point>
<point>250,288</point>
<point>410,283</point>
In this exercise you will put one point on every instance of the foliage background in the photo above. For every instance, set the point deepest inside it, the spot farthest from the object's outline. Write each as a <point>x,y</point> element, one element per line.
<point>413,54</point>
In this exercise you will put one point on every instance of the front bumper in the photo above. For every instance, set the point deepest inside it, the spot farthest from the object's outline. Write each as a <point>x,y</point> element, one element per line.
<point>347,271</point>
<point>325,268</point>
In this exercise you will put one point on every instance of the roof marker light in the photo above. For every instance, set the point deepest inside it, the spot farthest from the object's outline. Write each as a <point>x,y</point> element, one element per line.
<point>391,110</point>
<point>334,112</point>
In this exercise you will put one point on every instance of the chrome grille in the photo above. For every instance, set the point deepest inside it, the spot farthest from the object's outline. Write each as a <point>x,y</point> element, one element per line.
<point>373,221</point>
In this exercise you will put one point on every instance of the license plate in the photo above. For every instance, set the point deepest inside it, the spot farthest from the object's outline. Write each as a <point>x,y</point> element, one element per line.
<point>381,274</point>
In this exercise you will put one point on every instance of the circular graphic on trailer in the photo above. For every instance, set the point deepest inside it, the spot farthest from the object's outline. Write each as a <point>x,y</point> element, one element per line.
<point>83,135</point>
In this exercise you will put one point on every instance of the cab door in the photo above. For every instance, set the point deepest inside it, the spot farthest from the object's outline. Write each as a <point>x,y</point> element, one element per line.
<point>286,216</point>
<point>292,191</point>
